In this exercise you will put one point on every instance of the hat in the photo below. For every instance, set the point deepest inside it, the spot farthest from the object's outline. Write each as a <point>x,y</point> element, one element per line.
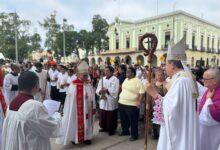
<point>83,67</point>
<point>52,63</point>
<point>177,52</point>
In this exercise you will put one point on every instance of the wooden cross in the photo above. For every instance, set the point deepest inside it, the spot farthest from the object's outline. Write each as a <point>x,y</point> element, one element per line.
<point>148,43</point>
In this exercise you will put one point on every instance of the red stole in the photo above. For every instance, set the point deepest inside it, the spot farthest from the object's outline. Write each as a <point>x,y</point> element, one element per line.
<point>3,103</point>
<point>19,100</point>
<point>1,77</point>
<point>80,109</point>
<point>2,99</point>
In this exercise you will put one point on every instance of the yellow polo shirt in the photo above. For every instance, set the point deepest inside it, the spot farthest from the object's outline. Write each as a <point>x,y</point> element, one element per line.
<point>131,88</point>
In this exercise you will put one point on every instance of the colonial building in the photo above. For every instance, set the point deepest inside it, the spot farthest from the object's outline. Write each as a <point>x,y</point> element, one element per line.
<point>202,39</point>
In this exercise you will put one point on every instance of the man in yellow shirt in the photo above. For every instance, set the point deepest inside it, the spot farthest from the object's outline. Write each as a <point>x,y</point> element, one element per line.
<point>130,98</point>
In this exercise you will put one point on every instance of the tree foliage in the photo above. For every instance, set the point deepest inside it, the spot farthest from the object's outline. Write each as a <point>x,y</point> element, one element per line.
<point>9,24</point>
<point>52,28</point>
<point>100,29</point>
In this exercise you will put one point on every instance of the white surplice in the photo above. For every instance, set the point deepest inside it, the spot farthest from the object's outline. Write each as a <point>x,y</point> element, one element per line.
<point>42,85</point>
<point>29,128</point>
<point>1,122</point>
<point>209,129</point>
<point>10,80</point>
<point>201,89</point>
<point>112,84</point>
<point>70,79</point>
<point>62,79</point>
<point>180,130</point>
<point>47,96</point>
<point>53,74</point>
<point>69,119</point>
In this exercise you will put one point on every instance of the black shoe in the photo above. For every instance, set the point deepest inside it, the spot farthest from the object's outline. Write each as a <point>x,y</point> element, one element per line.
<point>73,143</point>
<point>87,142</point>
<point>123,134</point>
<point>102,130</point>
<point>132,139</point>
<point>111,133</point>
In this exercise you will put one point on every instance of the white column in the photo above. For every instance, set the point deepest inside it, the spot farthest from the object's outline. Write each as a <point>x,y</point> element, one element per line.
<point>198,42</point>
<point>159,46</point>
<point>181,29</point>
<point>133,40</point>
<point>121,40</point>
<point>190,37</point>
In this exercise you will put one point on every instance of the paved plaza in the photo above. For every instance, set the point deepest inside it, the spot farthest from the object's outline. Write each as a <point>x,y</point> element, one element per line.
<point>102,141</point>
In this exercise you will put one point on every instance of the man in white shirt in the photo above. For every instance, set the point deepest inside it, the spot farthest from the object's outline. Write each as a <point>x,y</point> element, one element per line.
<point>10,84</point>
<point>53,75</point>
<point>61,84</point>
<point>42,75</point>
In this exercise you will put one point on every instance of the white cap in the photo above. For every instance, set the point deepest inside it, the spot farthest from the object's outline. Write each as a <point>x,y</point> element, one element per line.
<point>83,67</point>
<point>177,52</point>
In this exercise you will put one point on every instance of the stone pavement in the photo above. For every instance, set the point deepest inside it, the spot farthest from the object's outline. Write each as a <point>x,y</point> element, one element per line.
<point>102,141</point>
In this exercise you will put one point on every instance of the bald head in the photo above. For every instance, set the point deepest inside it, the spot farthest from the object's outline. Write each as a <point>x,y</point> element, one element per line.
<point>211,78</point>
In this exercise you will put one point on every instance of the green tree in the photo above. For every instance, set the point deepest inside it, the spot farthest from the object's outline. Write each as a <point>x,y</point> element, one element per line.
<point>52,29</point>
<point>35,40</point>
<point>9,23</point>
<point>86,40</point>
<point>72,38</point>
<point>100,29</point>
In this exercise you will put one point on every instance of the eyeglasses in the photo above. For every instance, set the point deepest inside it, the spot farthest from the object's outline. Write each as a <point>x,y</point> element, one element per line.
<point>206,79</point>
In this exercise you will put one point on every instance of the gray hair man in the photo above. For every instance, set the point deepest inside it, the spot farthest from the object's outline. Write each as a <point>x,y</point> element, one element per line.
<point>209,111</point>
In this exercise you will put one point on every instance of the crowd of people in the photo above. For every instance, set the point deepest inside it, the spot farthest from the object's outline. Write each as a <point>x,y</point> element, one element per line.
<point>40,101</point>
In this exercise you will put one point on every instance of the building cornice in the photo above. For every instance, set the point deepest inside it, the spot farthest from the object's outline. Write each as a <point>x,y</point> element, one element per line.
<point>175,13</point>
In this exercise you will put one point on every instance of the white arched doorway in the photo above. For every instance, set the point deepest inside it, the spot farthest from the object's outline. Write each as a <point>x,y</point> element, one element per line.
<point>140,60</point>
<point>128,60</point>
<point>117,60</point>
<point>99,61</point>
<point>93,62</point>
<point>108,61</point>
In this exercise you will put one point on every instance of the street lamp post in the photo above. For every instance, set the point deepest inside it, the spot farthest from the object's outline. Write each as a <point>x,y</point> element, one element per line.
<point>64,40</point>
<point>16,37</point>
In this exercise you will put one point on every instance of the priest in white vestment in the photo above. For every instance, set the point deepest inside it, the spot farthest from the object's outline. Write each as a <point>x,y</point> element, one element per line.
<point>79,110</point>
<point>209,111</point>
<point>10,84</point>
<point>176,111</point>
<point>53,76</point>
<point>42,75</point>
<point>27,125</point>
<point>108,89</point>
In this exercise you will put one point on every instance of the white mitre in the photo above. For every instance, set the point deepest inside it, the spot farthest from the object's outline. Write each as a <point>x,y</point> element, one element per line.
<point>83,67</point>
<point>177,52</point>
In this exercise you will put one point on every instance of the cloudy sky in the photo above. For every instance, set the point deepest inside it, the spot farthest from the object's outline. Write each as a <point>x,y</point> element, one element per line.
<point>80,12</point>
